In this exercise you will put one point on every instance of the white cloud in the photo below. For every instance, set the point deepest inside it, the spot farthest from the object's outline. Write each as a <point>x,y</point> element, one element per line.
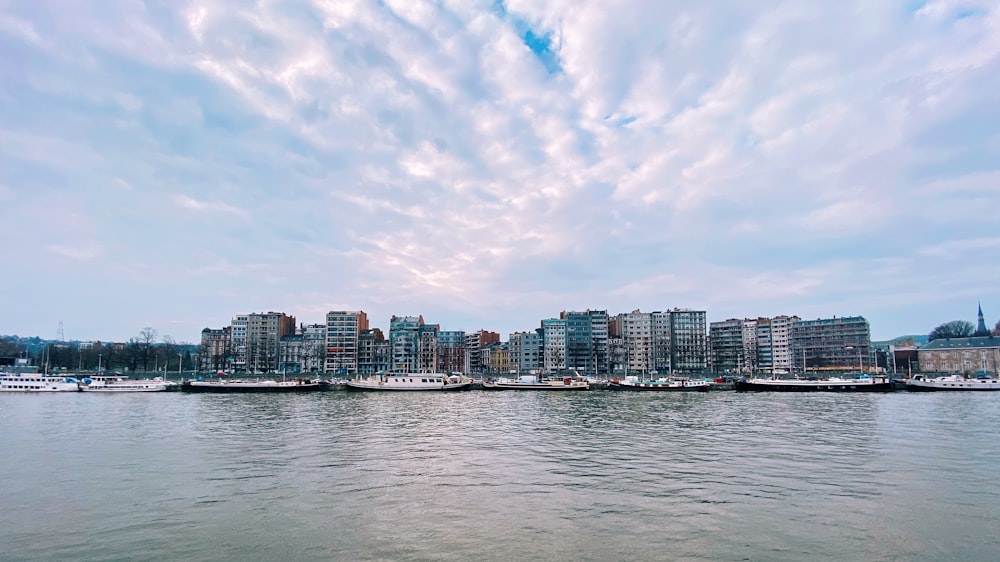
<point>676,154</point>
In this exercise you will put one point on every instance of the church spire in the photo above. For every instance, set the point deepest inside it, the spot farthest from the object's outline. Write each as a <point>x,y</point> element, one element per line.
<point>981,330</point>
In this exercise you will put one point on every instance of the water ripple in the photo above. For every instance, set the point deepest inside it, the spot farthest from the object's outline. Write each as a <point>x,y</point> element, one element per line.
<point>500,476</point>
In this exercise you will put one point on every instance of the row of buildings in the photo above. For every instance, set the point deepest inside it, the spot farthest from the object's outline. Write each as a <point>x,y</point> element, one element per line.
<point>589,341</point>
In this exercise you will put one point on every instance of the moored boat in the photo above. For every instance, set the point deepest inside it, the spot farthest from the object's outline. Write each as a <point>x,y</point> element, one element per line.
<point>532,382</point>
<point>663,384</point>
<point>410,382</point>
<point>923,383</point>
<point>119,384</point>
<point>247,386</point>
<point>861,383</point>
<point>37,382</point>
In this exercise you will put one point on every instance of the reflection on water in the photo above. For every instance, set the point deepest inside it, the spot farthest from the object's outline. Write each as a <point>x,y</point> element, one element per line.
<point>500,476</point>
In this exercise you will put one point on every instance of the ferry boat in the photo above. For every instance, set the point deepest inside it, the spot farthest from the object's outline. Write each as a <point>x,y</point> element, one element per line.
<point>663,384</point>
<point>860,383</point>
<point>119,384</point>
<point>532,382</point>
<point>410,382</point>
<point>37,382</point>
<point>922,383</point>
<point>248,386</point>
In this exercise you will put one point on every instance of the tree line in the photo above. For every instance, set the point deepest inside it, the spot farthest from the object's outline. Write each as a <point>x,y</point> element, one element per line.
<point>146,351</point>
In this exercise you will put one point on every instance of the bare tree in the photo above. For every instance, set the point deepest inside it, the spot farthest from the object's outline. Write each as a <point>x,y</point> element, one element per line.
<point>996,329</point>
<point>147,337</point>
<point>168,351</point>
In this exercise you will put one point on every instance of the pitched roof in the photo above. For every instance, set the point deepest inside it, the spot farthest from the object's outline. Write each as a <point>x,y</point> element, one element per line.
<point>987,342</point>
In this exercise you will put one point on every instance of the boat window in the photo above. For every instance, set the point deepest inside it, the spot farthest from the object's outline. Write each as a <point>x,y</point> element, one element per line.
<point>423,380</point>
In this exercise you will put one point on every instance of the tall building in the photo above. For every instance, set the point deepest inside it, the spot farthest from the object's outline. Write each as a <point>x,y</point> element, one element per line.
<point>343,329</point>
<point>427,348</point>
<point>451,352</point>
<point>749,361</point>
<point>635,329</point>
<point>726,340</point>
<point>404,337</point>
<point>661,342</point>
<point>263,340</point>
<point>553,345</point>
<point>774,352</point>
<point>688,340</point>
<point>238,343</point>
<point>587,341</point>
<point>831,344</point>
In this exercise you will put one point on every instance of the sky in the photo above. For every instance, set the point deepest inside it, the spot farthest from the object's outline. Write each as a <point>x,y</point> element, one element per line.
<point>488,164</point>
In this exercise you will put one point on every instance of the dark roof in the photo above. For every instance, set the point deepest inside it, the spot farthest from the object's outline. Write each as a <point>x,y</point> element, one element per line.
<point>963,343</point>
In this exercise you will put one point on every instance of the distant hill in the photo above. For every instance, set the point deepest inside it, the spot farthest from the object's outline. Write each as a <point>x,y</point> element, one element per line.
<point>902,342</point>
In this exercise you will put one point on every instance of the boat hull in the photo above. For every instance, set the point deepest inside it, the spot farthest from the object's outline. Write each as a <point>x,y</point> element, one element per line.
<point>812,386</point>
<point>538,387</point>
<point>116,390</point>
<point>657,388</point>
<point>363,387</point>
<point>248,387</point>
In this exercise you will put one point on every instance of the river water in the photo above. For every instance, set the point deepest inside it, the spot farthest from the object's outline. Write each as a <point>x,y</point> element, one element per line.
<point>503,476</point>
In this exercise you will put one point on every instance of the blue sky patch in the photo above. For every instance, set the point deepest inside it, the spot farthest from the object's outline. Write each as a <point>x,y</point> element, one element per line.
<point>539,43</point>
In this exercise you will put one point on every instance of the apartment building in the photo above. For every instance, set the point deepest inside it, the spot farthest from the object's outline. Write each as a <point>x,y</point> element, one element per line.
<point>238,343</point>
<point>726,342</point>
<point>553,345</point>
<point>263,340</point>
<point>452,356</point>
<point>343,330</point>
<point>404,338</point>
<point>830,344</point>
<point>688,340</point>
<point>587,341</point>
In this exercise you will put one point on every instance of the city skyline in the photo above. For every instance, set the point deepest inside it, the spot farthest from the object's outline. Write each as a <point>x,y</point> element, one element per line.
<point>539,324</point>
<point>490,164</point>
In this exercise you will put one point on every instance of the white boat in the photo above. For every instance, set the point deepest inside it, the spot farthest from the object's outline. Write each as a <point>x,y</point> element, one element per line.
<point>37,382</point>
<point>663,384</point>
<point>410,382</point>
<point>922,383</point>
<point>119,384</point>
<point>532,382</point>
<point>859,383</point>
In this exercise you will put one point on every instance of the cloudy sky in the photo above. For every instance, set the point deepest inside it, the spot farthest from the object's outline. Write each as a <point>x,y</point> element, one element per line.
<point>491,163</point>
